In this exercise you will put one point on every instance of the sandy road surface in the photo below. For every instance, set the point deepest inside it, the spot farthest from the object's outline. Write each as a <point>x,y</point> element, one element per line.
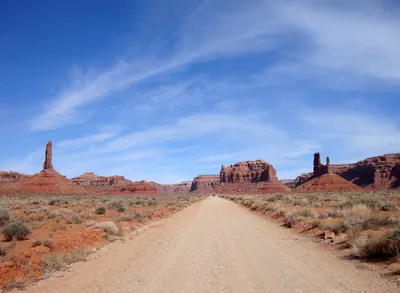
<point>214,246</point>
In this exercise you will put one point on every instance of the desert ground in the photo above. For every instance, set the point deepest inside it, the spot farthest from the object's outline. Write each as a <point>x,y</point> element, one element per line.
<point>213,245</point>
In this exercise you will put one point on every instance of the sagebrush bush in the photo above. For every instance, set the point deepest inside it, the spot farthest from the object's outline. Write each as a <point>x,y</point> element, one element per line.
<point>36,243</point>
<point>336,226</point>
<point>108,227</point>
<point>75,219</point>
<point>58,261</point>
<point>5,216</point>
<point>376,247</point>
<point>100,211</point>
<point>16,230</point>
<point>48,243</point>
<point>291,219</point>
<point>307,213</point>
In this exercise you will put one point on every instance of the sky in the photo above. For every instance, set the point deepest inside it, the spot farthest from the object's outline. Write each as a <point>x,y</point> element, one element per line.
<point>165,90</point>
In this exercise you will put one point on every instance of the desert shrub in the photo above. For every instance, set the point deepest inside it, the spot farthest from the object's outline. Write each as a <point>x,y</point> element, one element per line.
<point>108,227</point>
<point>75,219</point>
<point>48,243</point>
<point>332,213</point>
<point>359,211</point>
<point>291,219</point>
<point>15,284</point>
<point>394,237</point>
<point>336,226</point>
<point>307,213</point>
<point>352,234</point>
<point>58,261</point>
<point>100,211</point>
<point>5,216</point>
<point>275,198</point>
<point>2,251</point>
<point>16,230</point>
<point>315,223</point>
<point>376,247</point>
<point>36,243</point>
<point>271,207</point>
<point>126,218</point>
<point>372,222</point>
<point>53,201</point>
<point>302,202</point>
<point>117,205</point>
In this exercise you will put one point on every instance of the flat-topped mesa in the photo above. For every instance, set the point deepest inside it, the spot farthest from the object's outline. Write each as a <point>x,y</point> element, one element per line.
<point>319,168</point>
<point>205,183</point>
<point>248,172</point>
<point>48,162</point>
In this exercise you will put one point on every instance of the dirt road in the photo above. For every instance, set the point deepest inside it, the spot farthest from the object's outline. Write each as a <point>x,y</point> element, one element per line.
<point>214,246</point>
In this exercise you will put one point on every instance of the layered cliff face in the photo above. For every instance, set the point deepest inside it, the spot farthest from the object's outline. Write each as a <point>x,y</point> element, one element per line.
<point>376,173</point>
<point>248,172</point>
<point>205,183</point>
<point>114,184</point>
<point>12,179</point>
<point>382,172</point>
<point>179,188</point>
<point>249,177</point>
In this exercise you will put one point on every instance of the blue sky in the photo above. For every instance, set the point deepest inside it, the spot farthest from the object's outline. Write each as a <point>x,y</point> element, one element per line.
<point>166,90</point>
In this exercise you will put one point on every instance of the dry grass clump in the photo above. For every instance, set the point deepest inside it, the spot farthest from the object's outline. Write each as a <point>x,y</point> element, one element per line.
<point>58,261</point>
<point>36,243</point>
<point>291,218</point>
<point>15,284</point>
<point>108,227</point>
<point>336,226</point>
<point>332,213</point>
<point>48,243</point>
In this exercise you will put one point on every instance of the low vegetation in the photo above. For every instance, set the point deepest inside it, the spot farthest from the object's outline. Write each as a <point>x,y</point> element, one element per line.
<point>367,224</point>
<point>16,230</point>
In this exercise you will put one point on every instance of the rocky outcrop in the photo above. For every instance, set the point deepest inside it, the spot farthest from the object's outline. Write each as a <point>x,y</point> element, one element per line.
<point>328,183</point>
<point>114,184</point>
<point>48,161</point>
<point>12,179</point>
<point>179,188</point>
<point>248,172</point>
<point>249,177</point>
<point>50,181</point>
<point>381,172</point>
<point>375,173</point>
<point>319,168</point>
<point>205,183</point>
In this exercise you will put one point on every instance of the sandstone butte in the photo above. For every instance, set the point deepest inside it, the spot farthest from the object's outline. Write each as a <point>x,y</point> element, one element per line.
<point>381,172</point>
<point>249,177</point>
<point>323,180</point>
<point>49,180</point>
<point>205,184</point>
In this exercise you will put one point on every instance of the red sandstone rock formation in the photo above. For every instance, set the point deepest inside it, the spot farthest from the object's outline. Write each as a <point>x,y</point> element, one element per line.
<point>248,172</point>
<point>205,183</point>
<point>319,168</point>
<point>12,179</point>
<point>114,184</point>
<point>179,188</point>
<point>48,162</point>
<point>328,183</point>
<point>50,181</point>
<point>382,172</point>
<point>249,177</point>
<point>375,173</point>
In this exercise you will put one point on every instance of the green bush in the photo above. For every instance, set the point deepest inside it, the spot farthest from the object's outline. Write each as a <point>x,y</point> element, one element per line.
<point>100,211</point>
<point>16,230</point>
